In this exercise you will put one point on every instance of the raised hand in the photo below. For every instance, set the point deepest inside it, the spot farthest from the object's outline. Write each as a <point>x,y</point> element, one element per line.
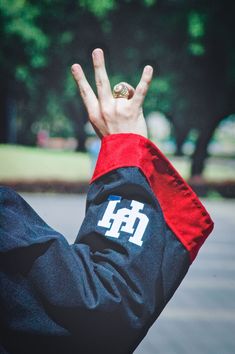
<point>107,114</point>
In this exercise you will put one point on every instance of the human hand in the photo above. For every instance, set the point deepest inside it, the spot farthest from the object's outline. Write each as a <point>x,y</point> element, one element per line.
<point>107,114</point>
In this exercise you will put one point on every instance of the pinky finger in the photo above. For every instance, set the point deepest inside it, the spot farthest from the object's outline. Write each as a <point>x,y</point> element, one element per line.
<point>143,86</point>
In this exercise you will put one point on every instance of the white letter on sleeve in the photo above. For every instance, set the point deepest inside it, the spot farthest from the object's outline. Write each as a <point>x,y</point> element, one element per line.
<point>130,221</point>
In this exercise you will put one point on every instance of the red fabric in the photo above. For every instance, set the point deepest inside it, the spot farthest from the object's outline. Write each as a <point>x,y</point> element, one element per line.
<point>182,209</point>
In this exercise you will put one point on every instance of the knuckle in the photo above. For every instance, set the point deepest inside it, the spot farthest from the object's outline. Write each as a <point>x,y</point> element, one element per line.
<point>128,112</point>
<point>123,113</point>
<point>143,89</point>
<point>96,65</point>
<point>83,92</point>
<point>99,82</point>
<point>148,80</point>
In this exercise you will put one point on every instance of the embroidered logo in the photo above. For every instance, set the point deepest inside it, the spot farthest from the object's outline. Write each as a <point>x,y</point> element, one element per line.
<point>131,221</point>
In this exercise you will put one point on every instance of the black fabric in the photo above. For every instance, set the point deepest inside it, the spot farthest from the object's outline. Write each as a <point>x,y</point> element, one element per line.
<point>99,295</point>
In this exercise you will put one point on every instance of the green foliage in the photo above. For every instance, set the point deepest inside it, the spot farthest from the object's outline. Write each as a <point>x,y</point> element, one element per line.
<point>196,25</point>
<point>19,24</point>
<point>196,49</point>
<point>157,98</point>
<point>40,40</point>
<point>98,8</point>
<point>196,30</point>
<point>149,2</point>
<point>54,121</point>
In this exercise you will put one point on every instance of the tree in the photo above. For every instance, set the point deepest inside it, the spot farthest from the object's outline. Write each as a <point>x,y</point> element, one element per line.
<point>189,43</point>
<point>22,49</point>
<point>207,78</point>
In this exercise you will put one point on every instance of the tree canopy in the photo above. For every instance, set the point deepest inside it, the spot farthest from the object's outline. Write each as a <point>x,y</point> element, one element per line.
<point>189,43</point>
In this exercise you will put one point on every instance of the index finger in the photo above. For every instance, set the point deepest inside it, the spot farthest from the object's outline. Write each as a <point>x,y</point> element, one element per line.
<point>88,96</point>
<point>143,85</point>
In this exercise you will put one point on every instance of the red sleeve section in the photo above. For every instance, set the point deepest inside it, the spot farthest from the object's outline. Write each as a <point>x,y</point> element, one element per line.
<point>182,210</point>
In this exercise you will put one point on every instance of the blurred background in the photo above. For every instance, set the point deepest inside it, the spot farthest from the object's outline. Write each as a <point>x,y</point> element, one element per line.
<point>190,106</point>
<point>46,143</point>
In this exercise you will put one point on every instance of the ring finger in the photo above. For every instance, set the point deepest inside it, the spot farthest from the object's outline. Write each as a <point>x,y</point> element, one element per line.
<point>120,88</point>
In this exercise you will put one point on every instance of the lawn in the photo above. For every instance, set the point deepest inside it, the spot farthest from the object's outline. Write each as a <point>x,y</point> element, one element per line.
<point>32,163</point>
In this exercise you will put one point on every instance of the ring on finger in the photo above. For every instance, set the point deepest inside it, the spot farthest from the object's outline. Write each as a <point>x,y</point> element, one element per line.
<point>121,90</point>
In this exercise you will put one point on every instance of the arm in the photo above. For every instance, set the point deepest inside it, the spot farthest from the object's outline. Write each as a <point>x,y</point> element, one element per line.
<point>104,292</point>
<point>134,247</point>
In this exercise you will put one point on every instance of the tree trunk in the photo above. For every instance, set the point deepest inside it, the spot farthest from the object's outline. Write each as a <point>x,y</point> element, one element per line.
<point>200,153</point>
<point>4,126</point>
<point>79,117</point>
<point>180,137</point>
<point>8,133</point>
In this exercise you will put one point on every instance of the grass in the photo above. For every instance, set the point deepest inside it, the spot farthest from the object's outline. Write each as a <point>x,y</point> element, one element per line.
<point>32,163</point>
<point>217,169</point>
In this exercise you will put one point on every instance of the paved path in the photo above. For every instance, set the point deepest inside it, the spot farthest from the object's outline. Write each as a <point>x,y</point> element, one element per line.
<point>200,319</point>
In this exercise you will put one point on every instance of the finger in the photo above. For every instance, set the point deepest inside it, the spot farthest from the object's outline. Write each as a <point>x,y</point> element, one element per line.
<point>101,77</point>
<point>143,85</point>
<point>87,94</point>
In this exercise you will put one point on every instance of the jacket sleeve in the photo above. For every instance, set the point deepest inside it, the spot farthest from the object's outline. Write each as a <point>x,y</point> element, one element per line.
<point>142,230</point>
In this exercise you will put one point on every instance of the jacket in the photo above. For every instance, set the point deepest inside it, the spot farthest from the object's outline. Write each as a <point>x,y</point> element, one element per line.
<point>142,230</point>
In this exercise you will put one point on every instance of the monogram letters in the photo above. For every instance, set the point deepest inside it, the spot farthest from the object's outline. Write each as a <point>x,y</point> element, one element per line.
<point>130,221</point>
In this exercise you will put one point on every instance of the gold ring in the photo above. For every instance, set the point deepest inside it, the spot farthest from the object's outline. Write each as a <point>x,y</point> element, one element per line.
<point>121,90</point>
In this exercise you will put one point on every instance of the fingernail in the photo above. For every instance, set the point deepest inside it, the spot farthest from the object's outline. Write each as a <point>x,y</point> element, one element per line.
<point>74,68</point>
<point>97,53</point>
<point>149,69</point>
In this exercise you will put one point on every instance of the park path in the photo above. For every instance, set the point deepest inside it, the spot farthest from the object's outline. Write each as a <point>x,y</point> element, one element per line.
<point>200,318</point>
